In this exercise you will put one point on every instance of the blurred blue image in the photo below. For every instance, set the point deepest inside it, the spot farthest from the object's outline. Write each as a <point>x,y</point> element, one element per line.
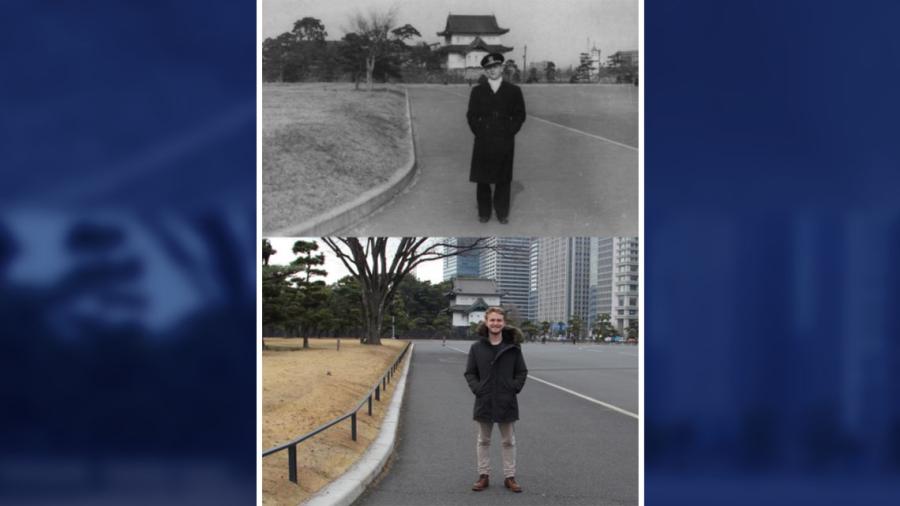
<point>128,253</point>
<point>772,232</point>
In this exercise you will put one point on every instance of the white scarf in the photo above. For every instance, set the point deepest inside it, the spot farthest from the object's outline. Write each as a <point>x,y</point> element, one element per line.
<point>495,83</point>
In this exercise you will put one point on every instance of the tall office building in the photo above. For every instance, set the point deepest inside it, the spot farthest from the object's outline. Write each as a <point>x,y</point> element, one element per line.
<point>465,265</point>
<point>614,280</point>
<point>533,280</point>
<point>506,261</point>
<point>601,276</point>
<point>562,270</point>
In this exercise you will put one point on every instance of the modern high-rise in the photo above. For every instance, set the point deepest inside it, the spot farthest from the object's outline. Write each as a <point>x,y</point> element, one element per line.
<point>614,280</point>
<point>464,265</point>
<point>562,269</point>
<point>506,261</point>
<point>533,280</point>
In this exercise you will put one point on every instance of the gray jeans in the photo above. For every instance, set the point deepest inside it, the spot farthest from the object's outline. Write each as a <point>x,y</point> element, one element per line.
<point>507,449</point>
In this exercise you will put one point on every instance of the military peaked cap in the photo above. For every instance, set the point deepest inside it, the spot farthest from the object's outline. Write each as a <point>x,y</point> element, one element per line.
<point>492,59</point>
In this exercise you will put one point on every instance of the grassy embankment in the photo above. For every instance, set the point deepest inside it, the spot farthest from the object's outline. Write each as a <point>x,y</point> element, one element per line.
<point>324,144</point>
<point>306,388</point>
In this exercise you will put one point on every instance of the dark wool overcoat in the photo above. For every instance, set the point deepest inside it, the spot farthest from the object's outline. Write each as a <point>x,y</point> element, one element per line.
<point>495,119</point>
<point>495,376</point>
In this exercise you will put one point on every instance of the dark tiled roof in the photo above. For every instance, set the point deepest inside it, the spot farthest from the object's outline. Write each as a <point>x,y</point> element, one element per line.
<point>474,286</point>
<point>486,25</point>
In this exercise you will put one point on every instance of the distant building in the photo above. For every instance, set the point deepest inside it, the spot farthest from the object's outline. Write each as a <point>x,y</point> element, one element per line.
<point>533,262</point>
<point>601,279</point>
<point>614,280</point>
<point>468,39</point>
<point>589,65</point>
<point>541,66</point>
<point>506,261</point>
<point>463,265</point>
<point>623,59</point>
<point>469,299</point>
<point>563,277</point>
<point>594,59</point>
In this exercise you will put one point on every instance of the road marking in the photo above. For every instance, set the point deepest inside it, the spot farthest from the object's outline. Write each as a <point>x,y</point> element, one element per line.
<point>582,132</point>
<point>602,351</point>
<point>576,394</point>
<point>457,349</point>
<point>591,399</point>
<point>626,146</point>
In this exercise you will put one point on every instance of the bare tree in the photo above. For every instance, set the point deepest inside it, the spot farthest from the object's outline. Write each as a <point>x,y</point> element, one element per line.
<point>267,251</point>
<point>373,36</point>
<point>380,269</point>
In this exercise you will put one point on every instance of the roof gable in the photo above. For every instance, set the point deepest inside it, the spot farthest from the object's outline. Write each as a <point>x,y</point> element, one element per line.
<point>479,43</point>
<point>479,305</point>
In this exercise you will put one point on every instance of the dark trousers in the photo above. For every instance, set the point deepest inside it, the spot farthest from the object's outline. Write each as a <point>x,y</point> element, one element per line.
<point>500,199</point>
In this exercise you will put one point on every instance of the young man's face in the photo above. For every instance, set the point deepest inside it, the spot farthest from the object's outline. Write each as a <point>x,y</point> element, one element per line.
<point>494,71</point>
<point>495,323</point>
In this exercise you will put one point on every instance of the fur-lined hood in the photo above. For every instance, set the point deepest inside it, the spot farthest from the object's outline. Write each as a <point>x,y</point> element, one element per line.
<point>511,335</point>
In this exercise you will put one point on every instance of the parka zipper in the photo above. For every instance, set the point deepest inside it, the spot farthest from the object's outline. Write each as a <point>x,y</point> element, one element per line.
<point>501,352</point>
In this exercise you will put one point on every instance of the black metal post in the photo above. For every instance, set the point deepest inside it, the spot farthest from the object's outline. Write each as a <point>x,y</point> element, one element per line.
<point>370,404</point>
<point>292,463</point>
<point>377,393</point>
<point>353,426</point>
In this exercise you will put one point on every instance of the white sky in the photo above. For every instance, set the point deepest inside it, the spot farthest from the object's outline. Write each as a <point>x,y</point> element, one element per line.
<point>553,30</point>
<point>429,271</point>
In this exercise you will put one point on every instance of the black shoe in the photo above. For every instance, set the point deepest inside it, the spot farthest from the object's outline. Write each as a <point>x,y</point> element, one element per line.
<point>503,220</point>
<point>484,219</point>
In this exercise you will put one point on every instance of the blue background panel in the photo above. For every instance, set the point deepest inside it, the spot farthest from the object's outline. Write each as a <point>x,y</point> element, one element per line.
<point>128,252</point>
<point>771,224</point>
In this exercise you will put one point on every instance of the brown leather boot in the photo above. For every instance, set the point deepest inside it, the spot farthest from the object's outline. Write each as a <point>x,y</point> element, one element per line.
<point>511,484</point>
<point>481,484</point>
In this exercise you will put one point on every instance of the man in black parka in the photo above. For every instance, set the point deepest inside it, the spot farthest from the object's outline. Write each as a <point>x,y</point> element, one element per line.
<point>495,115</point>
<point>496,372</point>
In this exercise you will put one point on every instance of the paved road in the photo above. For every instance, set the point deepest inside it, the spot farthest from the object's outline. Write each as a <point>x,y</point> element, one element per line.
<point>576,168</point>
<point>571,451</point>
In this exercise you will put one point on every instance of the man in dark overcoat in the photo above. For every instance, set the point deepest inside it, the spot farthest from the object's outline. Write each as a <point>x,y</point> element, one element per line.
<point>496,373</point>
<point>495,115</point>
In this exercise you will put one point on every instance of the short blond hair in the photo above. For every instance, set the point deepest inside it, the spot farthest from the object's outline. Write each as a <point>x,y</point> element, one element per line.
<point>495,309</point>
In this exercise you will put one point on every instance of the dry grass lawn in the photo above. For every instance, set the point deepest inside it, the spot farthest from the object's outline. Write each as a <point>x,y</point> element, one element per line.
<point>324,144</point>
<point>300,395</point>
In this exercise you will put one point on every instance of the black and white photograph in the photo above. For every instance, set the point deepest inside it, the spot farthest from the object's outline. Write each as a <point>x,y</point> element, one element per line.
<point>456,117</point>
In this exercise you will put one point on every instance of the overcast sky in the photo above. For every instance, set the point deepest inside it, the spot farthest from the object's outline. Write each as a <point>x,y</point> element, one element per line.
<point>428,271</point>
<point>553,30</point>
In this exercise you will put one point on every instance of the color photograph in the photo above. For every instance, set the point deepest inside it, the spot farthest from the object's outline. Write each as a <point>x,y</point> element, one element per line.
<point>388,362</point>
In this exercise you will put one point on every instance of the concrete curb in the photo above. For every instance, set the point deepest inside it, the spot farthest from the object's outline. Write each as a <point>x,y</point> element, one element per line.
<point>343,216</point>
<point>348,488</point>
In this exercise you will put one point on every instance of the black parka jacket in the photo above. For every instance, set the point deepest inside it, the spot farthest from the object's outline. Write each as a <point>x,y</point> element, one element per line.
<point>496,381</point>
<point>495,119</point>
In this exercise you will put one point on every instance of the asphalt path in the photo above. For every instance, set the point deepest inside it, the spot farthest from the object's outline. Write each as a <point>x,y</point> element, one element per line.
<point>575,170</point>
<point>570,450</point>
